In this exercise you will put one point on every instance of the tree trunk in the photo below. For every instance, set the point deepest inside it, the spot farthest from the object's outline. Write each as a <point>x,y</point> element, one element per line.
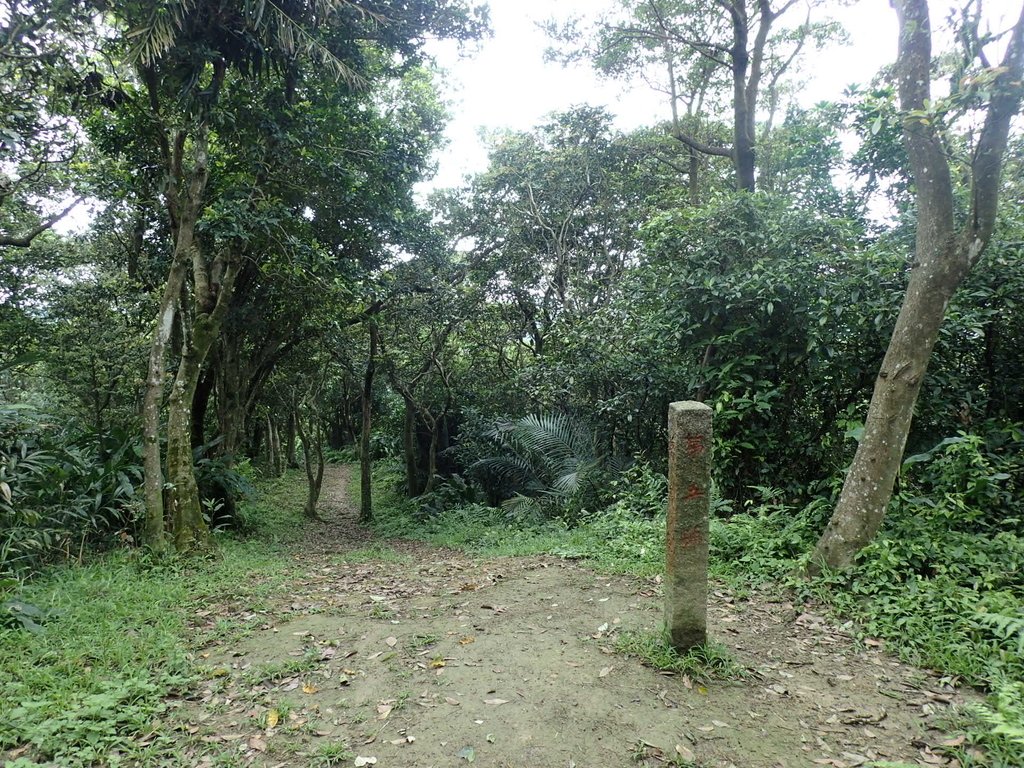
<point>313,454</point>
<point>365,460</point>
<point>154,530</point>
<point>412,472</point>
<point>869,482</point>
<point>290,429</point>
<point>275,435</point>
<point>201,404</point>
<point>742,135</point>
<point>435,434</point>
<point>186,513</point>
<point>943,258</point>
<point>272,446</point>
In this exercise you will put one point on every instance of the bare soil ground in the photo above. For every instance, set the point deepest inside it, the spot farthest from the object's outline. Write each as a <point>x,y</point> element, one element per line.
<point>402,654</point>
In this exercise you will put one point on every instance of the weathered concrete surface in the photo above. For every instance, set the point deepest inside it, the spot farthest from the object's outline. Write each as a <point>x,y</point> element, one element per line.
<point>686,545</point>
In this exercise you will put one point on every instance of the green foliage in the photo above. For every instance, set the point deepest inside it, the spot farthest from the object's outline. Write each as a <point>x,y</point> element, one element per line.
<point>711,661</point>
<point>1005,712</point>
<point>545,464</point>
<point>59,490</point>
<point>93,680</point>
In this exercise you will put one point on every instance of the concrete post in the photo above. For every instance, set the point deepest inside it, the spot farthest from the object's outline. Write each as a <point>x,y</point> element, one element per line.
<point>686,546</point>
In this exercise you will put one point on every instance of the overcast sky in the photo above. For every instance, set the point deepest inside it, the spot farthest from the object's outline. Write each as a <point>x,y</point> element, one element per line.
<point>509,85</point>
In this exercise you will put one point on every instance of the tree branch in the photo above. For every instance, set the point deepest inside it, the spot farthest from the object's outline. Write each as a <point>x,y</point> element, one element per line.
<point>25,240</point>
<point>705,149</point>
<point>986,165</point>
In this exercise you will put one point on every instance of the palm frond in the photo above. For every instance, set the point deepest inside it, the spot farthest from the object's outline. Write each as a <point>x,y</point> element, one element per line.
<point>557,436</point>
<point>266,26</point>
<point>520,506</point>
<point>159,34</point>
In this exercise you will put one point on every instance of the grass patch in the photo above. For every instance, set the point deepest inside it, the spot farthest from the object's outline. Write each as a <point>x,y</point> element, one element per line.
<point>711,661</point>
<point>613,541</point>
<point>376,552</point>
<point>280,670</point>
<point>91,687</point>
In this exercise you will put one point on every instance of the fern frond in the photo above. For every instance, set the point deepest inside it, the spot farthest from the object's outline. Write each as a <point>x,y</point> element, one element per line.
<point>520,506</point>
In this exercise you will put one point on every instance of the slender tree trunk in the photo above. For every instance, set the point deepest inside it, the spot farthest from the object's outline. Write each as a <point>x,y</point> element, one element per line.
<point>201,404</point>
<point>365,459</point>
<point>187,522</point>
<point>435,434</point>
<point>154,531</point>
<point>411,449</point>
<point>313,454</point>
<point>869,482</point>
<point>943,258</point>
<point>275,433</point>
<point>271,447</point>
<point>742,135</point>
<point>290,429</point>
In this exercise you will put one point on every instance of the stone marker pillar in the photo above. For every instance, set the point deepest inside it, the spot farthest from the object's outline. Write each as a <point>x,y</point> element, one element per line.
<point>686,545</point>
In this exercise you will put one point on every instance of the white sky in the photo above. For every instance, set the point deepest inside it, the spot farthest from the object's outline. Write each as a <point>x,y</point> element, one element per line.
<point>508,84</point>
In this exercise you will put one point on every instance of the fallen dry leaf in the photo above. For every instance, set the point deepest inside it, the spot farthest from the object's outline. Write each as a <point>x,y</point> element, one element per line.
<point>363,761</point>
<point>495,702</point>
<point>467,640</point>
<point>392,642</point>
<point>273,718</point>
<point>383,710</point>
<point>605,672</point>
<point>309,688</point>
<point>257,743</point>
<point>685,753</point>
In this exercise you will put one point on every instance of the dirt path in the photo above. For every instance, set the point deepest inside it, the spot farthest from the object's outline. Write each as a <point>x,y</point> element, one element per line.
<point>411,655</point>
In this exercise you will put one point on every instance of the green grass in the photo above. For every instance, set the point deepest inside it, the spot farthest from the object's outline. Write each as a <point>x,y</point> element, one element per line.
<point>330,755</point>
<point>117,642</point>
<point>621,543</point>
<point>711,661</point>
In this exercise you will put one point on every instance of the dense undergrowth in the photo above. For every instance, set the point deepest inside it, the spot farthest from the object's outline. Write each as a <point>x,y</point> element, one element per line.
<point>95,684</point>
<point>942,585</point>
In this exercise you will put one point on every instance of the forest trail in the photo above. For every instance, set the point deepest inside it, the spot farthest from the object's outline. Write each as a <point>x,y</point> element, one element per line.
<point>400,654</point>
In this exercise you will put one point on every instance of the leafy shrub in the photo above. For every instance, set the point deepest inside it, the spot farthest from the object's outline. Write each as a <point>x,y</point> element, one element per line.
<point>545,465</point>
<point>57,490</point>
<point>970,482</point>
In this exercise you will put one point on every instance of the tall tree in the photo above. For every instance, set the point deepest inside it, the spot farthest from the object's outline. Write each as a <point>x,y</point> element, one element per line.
<point>950,241</point>
<point>703,46</point>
